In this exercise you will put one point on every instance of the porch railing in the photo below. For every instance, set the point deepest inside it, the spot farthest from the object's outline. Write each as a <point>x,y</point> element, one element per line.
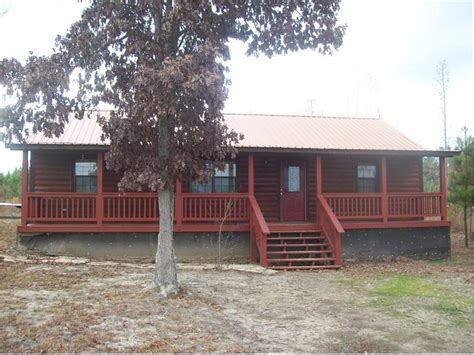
<point>44,207</point>
<point>61,207</point>
<point>215,207</point>
<point>258,232</point>
<point>330,226</point>
<point>369,206</point>
<point>355,205</point>
<point>133,207</point>
<point>401,205</point>
<point>130,207</point>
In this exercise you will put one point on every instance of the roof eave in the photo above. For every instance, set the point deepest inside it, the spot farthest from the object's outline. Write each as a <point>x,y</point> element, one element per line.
<point>421,152</point>
<point>427,153</point>
<point>23,146</point>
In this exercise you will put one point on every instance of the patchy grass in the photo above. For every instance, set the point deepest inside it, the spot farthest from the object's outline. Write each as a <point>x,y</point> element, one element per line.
<point>407,294</point>
<point>406,286</point>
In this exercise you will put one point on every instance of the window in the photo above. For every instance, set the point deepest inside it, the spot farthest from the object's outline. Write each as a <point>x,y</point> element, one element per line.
<point>85,176</point>
<point>366,178</point>
<point>222,181</point>
<point>292,178</point>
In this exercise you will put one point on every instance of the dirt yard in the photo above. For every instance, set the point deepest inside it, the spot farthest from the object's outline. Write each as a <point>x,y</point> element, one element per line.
<point>404,306</point>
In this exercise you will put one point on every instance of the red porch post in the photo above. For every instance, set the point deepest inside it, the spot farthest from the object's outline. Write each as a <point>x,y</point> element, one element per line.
<point>251,191</point>
<point>100,188</point>
<point>383,185</point>
<point>319,185</point>
<point>319,176</point>
<point>251,175</point>
<point>24,189</point>
<point>442,181</point>
<point>178,205</point>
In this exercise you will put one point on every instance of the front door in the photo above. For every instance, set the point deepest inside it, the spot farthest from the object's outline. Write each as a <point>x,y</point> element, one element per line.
<point>292,191</point>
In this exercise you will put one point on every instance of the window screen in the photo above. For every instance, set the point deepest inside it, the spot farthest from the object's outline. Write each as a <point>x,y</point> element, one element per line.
<point>85,176</point>
<point>223,181</point>
<point>366,178</point>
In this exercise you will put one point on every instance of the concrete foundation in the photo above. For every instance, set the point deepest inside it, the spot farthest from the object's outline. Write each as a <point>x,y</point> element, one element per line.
<point>365,244</point>
<point>195,247</point>
<point>377,244</point>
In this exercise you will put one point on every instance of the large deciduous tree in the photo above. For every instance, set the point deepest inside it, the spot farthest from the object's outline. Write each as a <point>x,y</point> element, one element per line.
<point>160,66</point>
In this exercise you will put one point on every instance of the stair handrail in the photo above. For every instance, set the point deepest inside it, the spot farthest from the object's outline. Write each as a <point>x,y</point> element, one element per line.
<point>331,227</point>
<point>258,230</point>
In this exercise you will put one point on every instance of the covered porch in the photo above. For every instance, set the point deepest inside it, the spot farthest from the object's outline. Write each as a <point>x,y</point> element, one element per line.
<point>273,193</point>
<point>286,189</point>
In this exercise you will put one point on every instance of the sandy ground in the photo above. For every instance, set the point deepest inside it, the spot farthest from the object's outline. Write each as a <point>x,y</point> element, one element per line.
<point>405,306</point>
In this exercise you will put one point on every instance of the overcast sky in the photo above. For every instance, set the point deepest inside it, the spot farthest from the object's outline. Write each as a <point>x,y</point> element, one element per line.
<point>386,67</point>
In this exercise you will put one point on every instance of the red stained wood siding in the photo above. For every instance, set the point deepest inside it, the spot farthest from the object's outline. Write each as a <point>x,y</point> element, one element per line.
<point>111,179</point>
<point>404,174</point>
<point>53,171</point>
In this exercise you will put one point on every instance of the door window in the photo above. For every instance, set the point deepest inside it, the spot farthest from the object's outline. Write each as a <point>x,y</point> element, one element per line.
<point>292,179</point>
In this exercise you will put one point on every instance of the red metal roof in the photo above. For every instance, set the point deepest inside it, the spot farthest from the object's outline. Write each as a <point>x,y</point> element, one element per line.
<point>273,131</point>
<point>76,132</point>
<point>309,132</point>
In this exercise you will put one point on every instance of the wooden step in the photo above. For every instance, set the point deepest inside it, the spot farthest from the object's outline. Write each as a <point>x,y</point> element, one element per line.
<point>299,259</point>
<point>283,231</point>
<point>293,227</point>
<point>305,267</point>
<point>296,238</point>
<point>274,245</point>
<point>290,252</point>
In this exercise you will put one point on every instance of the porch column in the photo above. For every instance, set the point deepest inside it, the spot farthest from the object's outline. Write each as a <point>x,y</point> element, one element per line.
<point>100,188</point>
<point>24,189</point>
<point>442,188</point>
<point>251,191</point>
<point>178,205</point>
<point>319,184</point>
<point>319,176</point>
<point>251,176</point>
<point>383,188</point>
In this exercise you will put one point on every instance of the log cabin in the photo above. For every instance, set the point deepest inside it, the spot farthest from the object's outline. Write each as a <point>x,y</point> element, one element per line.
<point>302,193</point>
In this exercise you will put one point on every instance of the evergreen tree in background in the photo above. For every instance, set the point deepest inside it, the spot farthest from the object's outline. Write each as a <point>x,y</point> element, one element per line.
<point>10,186</point>
<point>431,181</point>
<point>461,179</point>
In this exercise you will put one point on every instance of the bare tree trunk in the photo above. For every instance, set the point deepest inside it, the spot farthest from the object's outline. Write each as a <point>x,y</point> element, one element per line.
<point>470,223</point>
<point>466,237</point>
<point>166,278</point>
<point>443,80</point>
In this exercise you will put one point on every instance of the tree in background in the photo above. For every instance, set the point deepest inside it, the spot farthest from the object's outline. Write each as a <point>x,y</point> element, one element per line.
<point>442,80</point>
<point>10,185</point>
<point>160,66</point>
<point>431,181</point>
<point>461,179</point>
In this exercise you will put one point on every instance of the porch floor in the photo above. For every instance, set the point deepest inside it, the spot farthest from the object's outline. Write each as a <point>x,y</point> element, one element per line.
<point>276,227</point>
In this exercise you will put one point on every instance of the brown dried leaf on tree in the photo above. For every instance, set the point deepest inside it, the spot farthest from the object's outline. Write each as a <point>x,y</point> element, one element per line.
<point>160,66</point>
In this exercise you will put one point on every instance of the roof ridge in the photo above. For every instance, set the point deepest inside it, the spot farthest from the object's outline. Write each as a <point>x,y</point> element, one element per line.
<point>304,116</point>
<point>284,115</point>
